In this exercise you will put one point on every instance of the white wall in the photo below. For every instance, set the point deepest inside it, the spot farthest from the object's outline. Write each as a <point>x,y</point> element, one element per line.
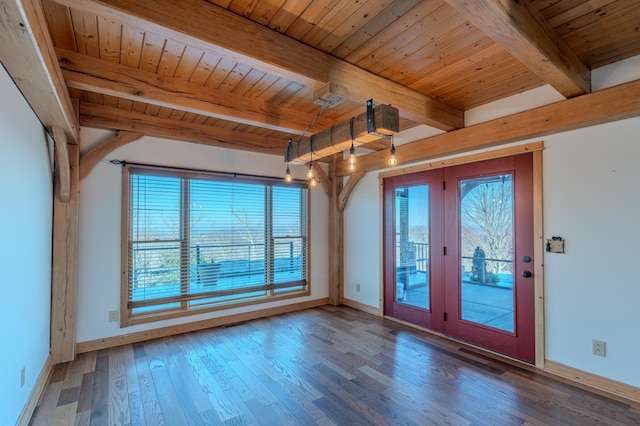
<point>592,199</point>
<point>25,253</point>
<point>99,245</point>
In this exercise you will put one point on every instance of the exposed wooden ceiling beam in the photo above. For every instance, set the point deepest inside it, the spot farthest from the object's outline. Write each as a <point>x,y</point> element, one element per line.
<point>522,31</point>
<point>338,137</point>
<point>95,75</point>
<point>26,51</point>
<point>102,117</point>
<point>211,28</point>
<point>616,103</point>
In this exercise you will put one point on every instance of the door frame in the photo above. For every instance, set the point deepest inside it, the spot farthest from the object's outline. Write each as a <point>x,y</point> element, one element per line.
<point>538,241</point>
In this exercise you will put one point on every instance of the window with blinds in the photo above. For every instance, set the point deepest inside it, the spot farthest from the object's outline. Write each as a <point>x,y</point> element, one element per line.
<point>198,241</point>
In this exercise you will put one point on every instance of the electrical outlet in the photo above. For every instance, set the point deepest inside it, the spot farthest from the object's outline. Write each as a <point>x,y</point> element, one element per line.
<point>358,287</point>
<point>599,347</point>
<point>22,377</point>
<point>114,316</point>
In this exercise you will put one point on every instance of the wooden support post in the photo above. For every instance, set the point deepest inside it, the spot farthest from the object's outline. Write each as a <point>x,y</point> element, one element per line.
<point>62,167</point>
<point>336,237</point>
<point>65,267</point>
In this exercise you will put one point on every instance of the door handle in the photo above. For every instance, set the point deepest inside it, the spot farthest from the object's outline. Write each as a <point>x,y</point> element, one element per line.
<point>526,274</point>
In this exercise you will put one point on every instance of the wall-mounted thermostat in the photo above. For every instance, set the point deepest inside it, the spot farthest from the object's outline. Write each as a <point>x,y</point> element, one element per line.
<point>555,245</point>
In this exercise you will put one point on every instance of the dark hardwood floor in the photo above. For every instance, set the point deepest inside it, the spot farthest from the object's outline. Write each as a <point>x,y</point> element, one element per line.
<point>321,366</point>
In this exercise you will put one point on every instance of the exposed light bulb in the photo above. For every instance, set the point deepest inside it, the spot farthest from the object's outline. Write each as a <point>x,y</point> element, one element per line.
<point>310,174</point>
<point>352,158</point>
<point>288,177</point>
<point>313,182</point>
<point>392,158</point>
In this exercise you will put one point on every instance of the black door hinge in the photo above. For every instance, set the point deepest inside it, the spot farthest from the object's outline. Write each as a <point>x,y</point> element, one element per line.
<point>445,316</point>
<point>444,185</point>
<point>444,251</point>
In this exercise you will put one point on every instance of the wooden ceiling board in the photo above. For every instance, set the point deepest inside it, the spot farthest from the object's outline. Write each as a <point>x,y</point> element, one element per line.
<point>109,39</point>
<point>571,14</point>
<point>125,104</point>
<point>595,17</point>
<point>287,14</point>
<point>227,75</point>
<point>482,91</point>
<point>131,46</point>
<point>264,11</point>
<point>216,69</point>
<point>557,7</point>
<point>593,43</point>
<point>139,107</point>
<point>242,7</point>
<point>152,49</point>
<point>359,18</point>
<point>261,86</point>
<point>384,42</point>
<point>246,85</point>
<point>453,84</point>
<point>85,27</point>
<point>312,16</point>
<point>203,69</point>
<point>393,12</point>
<point>171,55</point>
<point>438,30</point>
<point>189,61</point>
<point>463,70</point>
<point>460,44</point>
<point>425,46</point>
<point>60,26</point>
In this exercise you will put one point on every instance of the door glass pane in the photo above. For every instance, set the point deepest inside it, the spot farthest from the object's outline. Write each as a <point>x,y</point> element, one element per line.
<point>486,251</point>
<point>412,245</point>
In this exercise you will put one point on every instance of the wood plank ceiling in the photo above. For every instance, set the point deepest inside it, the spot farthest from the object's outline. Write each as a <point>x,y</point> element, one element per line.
<point>243,73</point>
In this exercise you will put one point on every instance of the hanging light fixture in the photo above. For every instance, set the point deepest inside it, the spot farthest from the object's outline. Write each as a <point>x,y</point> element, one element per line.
<point>352,159</point>
<point>310,173</point>
<point>352,150</point>
<point>392,157</point>
<point>287,177</point>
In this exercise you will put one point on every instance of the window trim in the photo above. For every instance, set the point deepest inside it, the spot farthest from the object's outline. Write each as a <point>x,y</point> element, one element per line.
<point>284,292</point>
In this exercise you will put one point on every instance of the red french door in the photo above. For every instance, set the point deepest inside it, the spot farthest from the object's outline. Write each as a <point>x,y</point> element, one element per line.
<point>477,223</point>
<point>413,268</point>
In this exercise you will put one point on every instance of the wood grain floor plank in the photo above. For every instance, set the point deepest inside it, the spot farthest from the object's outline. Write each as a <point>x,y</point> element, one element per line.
<point>166,393</point>
<point>82,418</point>
<point>100,391</point>
<point>65,414</point>
<point>118,388</point>
<point>75,371</point>
<point>44,412</point>
<point>322,366</point>
<point>136,408</point>
<point>148,394</point>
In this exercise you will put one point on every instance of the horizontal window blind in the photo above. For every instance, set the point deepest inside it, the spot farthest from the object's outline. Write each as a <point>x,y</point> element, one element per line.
<point>200,239</point>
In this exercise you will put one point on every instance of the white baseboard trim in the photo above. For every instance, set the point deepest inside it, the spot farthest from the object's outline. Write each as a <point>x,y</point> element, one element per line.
<point>593,382</point>
<point>362,307</point>
<point>36,393</point>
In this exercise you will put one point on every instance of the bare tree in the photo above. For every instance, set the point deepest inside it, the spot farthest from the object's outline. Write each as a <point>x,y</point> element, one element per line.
<point>487,217</point>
